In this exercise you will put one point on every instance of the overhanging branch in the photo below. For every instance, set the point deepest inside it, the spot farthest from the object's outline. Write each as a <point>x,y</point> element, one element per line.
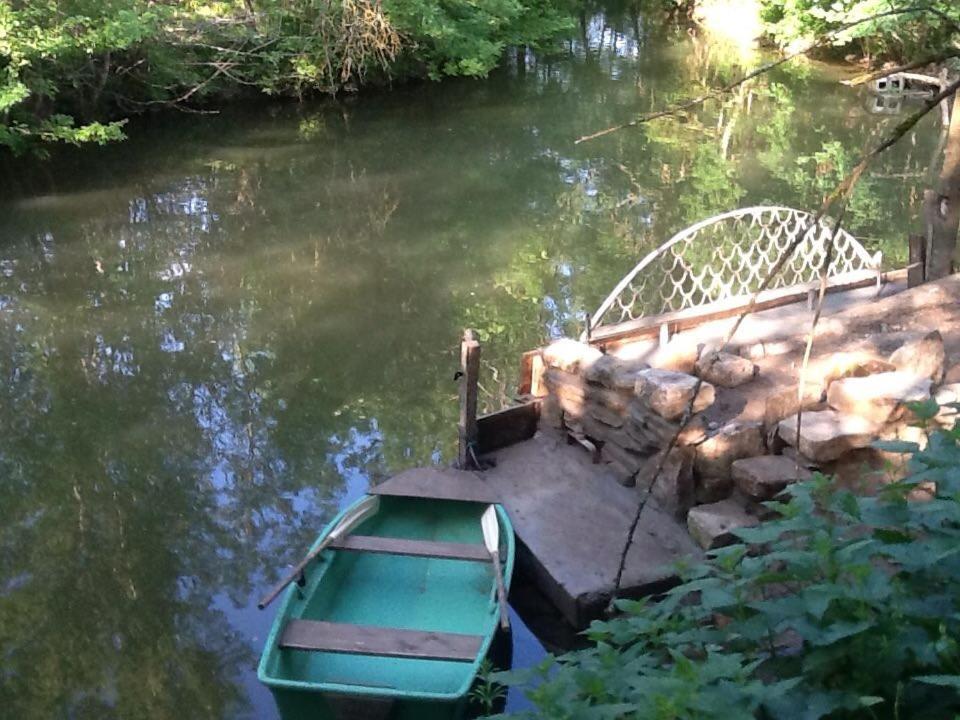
<point>767,67</point>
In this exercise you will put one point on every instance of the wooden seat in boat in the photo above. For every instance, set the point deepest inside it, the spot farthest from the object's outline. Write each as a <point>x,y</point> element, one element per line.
<point>413,548</point>
<point>332,637</point>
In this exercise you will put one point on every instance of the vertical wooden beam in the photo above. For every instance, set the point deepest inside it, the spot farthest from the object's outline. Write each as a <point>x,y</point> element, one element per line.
<point>531,374</point>
<point>538,386</point>
<point>917,263</point>
<point>941,207</point>
<point>470,369</point>
<point>526,372</point>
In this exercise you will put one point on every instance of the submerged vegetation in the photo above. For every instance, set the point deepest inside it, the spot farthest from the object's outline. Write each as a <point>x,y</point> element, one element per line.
<point>847,606</point>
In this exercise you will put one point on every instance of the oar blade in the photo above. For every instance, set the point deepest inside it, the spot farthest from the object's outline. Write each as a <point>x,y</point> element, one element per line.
<point>491,529</point>
<point>351,518</point>
<point>491,538</point>
<point>354,516</point>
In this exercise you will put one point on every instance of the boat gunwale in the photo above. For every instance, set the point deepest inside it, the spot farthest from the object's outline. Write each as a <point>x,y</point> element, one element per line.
<point>271,644</point>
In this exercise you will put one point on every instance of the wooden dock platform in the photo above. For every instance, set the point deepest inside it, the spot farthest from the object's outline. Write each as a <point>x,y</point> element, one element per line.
<point>572,520</point>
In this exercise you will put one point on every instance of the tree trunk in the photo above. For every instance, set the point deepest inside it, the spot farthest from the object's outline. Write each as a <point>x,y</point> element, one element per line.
<point>941,207</point>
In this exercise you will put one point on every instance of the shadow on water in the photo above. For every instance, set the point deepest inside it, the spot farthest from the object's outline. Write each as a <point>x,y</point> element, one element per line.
<point>216,334</point>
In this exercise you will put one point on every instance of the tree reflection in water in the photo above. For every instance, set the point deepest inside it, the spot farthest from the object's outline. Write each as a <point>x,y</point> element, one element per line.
<point>214,335</point>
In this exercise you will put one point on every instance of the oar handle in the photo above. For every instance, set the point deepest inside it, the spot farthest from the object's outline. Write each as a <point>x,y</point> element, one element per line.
<point>501,591</point>
<point>293,575</point>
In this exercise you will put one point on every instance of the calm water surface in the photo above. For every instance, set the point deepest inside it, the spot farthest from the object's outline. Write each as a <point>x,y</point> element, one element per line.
<point>215,334</point>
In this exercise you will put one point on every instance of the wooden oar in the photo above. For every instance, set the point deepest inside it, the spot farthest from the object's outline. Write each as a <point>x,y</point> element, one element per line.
<point>491,538</point>
<point>353,517</point>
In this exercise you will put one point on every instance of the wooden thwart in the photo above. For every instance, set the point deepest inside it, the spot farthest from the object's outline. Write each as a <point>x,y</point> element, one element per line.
<point>412,548</point>
<point>319,636</point>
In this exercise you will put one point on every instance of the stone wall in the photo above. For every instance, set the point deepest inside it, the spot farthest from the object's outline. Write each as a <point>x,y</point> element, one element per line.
<point>630,411</point>
<point>740,446</point>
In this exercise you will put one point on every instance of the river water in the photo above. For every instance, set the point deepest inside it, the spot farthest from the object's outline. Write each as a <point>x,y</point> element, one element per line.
<point>218,332</point>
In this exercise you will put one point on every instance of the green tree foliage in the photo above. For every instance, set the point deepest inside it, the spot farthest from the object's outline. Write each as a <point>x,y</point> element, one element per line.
<point>467,37</point>
<point>892,36</point>
<point>847,606</point>
<point>72,70</point>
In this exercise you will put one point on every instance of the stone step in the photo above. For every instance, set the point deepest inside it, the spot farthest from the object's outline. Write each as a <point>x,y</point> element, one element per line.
<point>877,398</point>
<point>669,393</point>
<point>711,525</point>
<point>827,434</point>
<point>765,476</point>
<point>735,440</point>
<point>725,370</point>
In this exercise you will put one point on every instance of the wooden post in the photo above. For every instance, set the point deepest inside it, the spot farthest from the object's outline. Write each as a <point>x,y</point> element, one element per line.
<point>531,374</point>
<point>538,386</point>
<point>941,207</point>
<point>470,369</point>
<point>917,263</point>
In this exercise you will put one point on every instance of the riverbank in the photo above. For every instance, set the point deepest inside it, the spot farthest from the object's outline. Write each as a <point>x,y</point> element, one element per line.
<point>77,75</point>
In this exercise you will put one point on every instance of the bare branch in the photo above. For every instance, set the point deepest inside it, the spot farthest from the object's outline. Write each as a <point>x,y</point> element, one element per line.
<point>764,69</point>
<point>824,274</point>
<point>842,192</point>
<point>886,72</point>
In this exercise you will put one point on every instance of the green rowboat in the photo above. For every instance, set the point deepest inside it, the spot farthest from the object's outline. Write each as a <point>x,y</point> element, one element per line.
<point>401,608</point>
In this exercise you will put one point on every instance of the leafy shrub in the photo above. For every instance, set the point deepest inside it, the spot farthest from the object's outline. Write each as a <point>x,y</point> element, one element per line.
<point>467,37</point>
<point>847,606</point>
<point>67,67</point>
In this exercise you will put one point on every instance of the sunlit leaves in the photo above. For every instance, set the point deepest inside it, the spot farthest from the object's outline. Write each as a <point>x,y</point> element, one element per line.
<point>898,36</point>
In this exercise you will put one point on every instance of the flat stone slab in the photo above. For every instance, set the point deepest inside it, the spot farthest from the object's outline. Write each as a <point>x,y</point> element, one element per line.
<point>877,397</point>
<point>763,477</point>
<point>725,370</point>
<point>668,393</point>
<point>826,435</point>
<point>924,357</point>
<point>712,525</point>
<point>572,519</point>
<point>570,356</point>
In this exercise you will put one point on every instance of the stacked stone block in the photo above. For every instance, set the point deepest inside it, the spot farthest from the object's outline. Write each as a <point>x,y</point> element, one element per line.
<point>720,470</point>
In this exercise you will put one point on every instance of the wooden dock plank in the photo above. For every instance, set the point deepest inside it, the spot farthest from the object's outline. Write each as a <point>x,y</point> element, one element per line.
<point>438,484</point>
<point>320,636</point>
